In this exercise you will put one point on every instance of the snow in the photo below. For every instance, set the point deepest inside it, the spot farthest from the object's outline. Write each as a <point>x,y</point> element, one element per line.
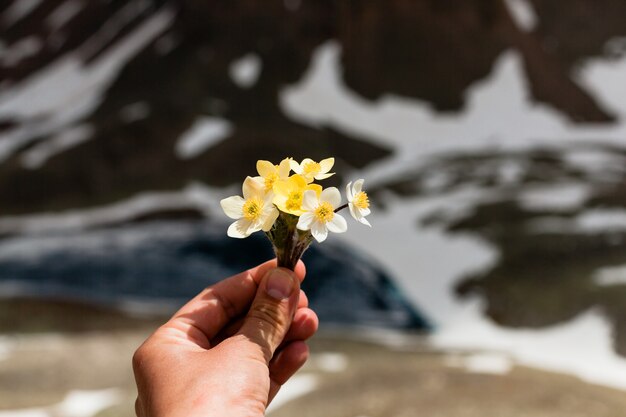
<point>75,404</point>
<point>135,111</point>
<point>601,220</point>
<point>329,362</point>
<point>194,195</point>
<point>427,261</point>
<point>63,14</point>
<point>609,276</point>
<point>202,135</point>
<point>297,386</point>
<point>245,71</point>
<point>20,50</point>
<point>494,363</point>
<point>555,197</point>
<point>523,14</point>
<point>37,156</point>
<point>18,10</point>
<point>68,90</point>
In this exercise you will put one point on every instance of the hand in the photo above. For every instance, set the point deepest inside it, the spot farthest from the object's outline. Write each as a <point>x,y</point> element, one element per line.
<point>228,351</point>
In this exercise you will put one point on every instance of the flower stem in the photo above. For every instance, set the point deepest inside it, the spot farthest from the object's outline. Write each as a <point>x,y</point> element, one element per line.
<point>341,207</point>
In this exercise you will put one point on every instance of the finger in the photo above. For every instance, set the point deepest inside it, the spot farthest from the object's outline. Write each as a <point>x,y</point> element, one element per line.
<point>303,327</point>
<point>217,305</point>
<point>271,313</point>
<point>303,301</point>
<point>285,364</point>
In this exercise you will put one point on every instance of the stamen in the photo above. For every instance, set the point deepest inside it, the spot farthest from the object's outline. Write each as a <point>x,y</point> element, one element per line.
<point>361,200</point>
<point>324,212</point>
<point>252,208</point>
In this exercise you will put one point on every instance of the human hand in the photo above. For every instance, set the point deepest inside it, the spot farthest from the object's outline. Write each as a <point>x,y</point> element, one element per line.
<point>227,351</point>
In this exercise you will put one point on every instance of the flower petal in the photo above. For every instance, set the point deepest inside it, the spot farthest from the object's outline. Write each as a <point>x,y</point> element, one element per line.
<point>358,185</point>
<point>295,167</point>
<point>305,221</point>
<point>239,229</point>
<point>252,188</point>
<point>331,195</point>
<point>355,212</point>
<point>265,168</point>
<point>233,206</point>
<point>349,194</point>
<point>326,165</point>
<point>309,200</point>
<point>284,167</point>
<point>319,231</point>
<point>324,176</point>
<point>315,187</point>
<point>337,224</point>
<point>365,222</point>
<point>270,219</point>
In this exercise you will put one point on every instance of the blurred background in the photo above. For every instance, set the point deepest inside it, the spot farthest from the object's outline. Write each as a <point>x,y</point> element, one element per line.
<point>492,137</point>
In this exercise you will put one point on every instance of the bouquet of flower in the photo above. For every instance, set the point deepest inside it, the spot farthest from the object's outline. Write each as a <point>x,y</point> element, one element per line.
<point>293,210</point>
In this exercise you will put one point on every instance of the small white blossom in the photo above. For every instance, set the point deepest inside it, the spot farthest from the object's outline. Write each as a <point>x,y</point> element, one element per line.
<point>358,202</point>
<point>319,213</point>
<point>253,212</point>
<point>311,170</point>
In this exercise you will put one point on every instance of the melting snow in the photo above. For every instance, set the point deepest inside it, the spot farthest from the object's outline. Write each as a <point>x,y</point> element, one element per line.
<point>609,276</point>
<point>203,134</point>
<point>18,10</point>
<point>297,386</point>
<point>428,261</point>
<point>75,404</point>
<point>523,14</point>
<point>40,153</point>
<point>63,13</point>
<point>246,70</point>
<point>20,50</point>
<point>67,90</point>
<point>554,197</point>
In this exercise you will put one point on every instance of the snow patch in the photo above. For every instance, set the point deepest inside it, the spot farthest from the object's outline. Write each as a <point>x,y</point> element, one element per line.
<point>67,90</point>
<point>18,10</point>
<point>37,156</point>
<point>245,71</point>
<point>75,404</point>
<point>523,14</point>
<point>495,363</point>
<point>609,276</point>
<point>195,195</point>
<point>297,386</point>
<point>63,14</point>
<point>330,362</point>
<point>582,346</point>
<point>203,134</point>
<point>20,50</point>
<point>554,197</point>
<point>135,111</point>
<point>601,220</point>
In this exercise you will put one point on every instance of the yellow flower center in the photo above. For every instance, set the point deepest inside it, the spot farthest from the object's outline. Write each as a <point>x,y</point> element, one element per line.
<point>270,180</point>
<point>311,168</point>
<point>294,201</point>
<point>361,200</point>
<point>252,208</point>
<point>324,212</point>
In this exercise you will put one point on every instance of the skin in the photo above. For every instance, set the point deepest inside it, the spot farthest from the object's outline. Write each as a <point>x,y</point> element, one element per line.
<point>228,351</point>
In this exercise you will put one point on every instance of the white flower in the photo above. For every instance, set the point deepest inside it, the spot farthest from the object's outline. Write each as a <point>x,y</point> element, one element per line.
<point>358,202</point>
<point>253,212</point>
<point>319,215</point>
<point>310,170</point>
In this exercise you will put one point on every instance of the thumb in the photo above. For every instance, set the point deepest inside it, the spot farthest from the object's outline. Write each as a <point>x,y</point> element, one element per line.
<point>272,310</point>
